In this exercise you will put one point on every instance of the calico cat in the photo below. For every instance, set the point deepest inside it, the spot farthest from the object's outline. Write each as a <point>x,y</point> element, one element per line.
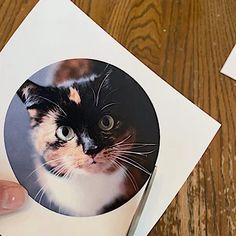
<point>96,140</point>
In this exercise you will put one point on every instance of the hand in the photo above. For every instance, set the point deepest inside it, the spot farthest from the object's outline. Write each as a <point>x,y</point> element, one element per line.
<point>12,196</point>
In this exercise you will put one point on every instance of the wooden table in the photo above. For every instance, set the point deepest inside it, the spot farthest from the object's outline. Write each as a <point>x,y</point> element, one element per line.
<point>185,42</point>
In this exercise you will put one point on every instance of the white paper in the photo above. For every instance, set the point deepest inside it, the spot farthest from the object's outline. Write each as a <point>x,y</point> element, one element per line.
<point>56,30</point>
<point>229,67</point>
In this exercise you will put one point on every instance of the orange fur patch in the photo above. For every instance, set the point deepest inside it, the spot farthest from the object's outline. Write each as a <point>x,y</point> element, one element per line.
<point>45,133</point>
<point>74,96</point>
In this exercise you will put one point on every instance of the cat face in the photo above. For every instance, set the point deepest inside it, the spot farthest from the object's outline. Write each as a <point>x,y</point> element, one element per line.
<point>80,128</point>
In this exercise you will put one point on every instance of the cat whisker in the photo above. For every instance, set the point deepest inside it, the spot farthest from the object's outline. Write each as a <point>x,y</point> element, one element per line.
<point>58,170</point>
<point>137,144</point>
<point>108,105</point>
<point>71,174</point>
<point>144,153</point>
<point>94,95</point>
<point>123,145</point>
<point>138,148</point>
<point>50,203</point>
<point>125,152</point>
<point>128,174</point>
<point>45,163</point>
<point>133,161</point>
<point>37,179</point>
<point>138,166</point>
<point>35,170</point>
<point>100,87</point>
<point>59,209</point>
<point>53,171</point>
<point>53,113</point>
<point>50,102</point>
<point>131,155</point>
<point>106,97</point>
<point>68,173</point>
<point>122,141</point>
<point>107,65</point>
<point>41,197</point>
<point>41,189</point>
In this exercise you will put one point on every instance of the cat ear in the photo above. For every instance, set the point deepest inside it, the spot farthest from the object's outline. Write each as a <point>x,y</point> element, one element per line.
<point>29,95</point>
<point>28,91</point>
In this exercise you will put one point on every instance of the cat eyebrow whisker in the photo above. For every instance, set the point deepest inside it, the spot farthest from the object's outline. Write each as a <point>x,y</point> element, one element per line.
<point>94,95</point>
<point>58,114</point>
<point>107,95</point>
<point>50,102</point>
<point>127,173</point>
<point>106,67</point>
<point>108,105</point>
<point>133,163</point>
<point>100,87</point>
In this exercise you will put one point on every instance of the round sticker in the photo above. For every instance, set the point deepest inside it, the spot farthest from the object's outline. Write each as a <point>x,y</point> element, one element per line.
<point>82,137</point>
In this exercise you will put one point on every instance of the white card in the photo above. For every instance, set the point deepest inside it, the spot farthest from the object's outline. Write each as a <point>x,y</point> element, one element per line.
<point>48,36</point>
<point>229,67</point>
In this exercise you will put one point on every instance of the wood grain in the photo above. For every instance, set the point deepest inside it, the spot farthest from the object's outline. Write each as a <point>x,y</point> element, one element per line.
<point>186,43</point>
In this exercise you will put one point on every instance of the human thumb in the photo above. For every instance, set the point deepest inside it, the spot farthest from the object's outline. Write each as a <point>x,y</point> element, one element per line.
<point>12,196</point>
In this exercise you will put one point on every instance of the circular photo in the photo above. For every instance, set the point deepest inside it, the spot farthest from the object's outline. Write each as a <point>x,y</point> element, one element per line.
<point>82,137</point>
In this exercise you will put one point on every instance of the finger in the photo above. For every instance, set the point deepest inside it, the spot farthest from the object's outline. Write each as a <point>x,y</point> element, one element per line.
<point>12,196</point>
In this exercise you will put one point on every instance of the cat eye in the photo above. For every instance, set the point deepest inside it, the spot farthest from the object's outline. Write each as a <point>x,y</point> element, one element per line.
<point>65,133</point>
<point>106,123</point>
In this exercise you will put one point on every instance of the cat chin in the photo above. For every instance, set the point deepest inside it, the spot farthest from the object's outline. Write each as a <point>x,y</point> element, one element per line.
<point>81,171</point>
<point>84,194</point>
<point>93,169</point>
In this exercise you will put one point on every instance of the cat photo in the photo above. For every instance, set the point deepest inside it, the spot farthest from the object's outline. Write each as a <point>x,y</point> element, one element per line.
<point>82,137</point>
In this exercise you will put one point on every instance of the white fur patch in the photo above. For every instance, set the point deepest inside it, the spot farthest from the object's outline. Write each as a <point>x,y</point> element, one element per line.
<point>45,132</point>
<point>84,194</point>
<point>82,80</point>
<point>87,141</point>
<point>25,91</point>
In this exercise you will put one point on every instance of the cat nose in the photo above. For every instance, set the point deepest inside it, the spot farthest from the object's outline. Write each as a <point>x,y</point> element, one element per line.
<point>90,149</point>
<point>89,146</point>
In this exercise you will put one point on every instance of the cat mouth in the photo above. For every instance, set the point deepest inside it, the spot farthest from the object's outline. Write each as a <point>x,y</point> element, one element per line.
<point>54,170</point>
<point>93,156</point>
<point>94,163</point>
